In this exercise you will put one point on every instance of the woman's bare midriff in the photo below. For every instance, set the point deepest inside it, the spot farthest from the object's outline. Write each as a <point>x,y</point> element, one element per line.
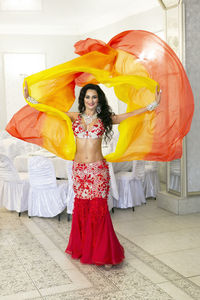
<point>88,150</point>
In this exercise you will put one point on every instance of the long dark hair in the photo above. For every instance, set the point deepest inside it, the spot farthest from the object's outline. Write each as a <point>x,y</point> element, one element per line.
<point>106,111</point>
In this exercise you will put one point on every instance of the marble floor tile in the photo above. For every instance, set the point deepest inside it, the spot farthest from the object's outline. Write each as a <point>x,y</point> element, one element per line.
<point>22,296</point>
<point>13,276</point>
<point>185,262</point>
<point>151,211</point>
<point>121,215</point>
<point>62,259</point>
<point>195,279</point>
<point>130,229</point>
<point>13,282</point>
<point>147,271</point>
<point>64,288</point>
<point>169,241</point>
<point>180,221</point>
<point>126,276</point>
<point>188,287</point>
<point>149,260</point>
<point>173,291</point>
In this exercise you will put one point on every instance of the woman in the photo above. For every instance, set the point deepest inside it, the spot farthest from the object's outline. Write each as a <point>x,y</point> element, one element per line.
<point>92,238</point>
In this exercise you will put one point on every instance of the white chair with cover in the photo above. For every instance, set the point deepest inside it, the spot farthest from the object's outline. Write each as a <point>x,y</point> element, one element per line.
<point>130,186</point>
<point>151,179</point>
<point>46,198</point>
<point>113,193</point>
<point>70,193</point>
<point>13,190</point>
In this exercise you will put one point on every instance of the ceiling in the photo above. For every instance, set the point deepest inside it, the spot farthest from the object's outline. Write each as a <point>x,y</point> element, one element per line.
<point>68,16</point>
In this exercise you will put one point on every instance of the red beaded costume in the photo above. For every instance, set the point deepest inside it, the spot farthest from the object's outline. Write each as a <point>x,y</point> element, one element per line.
<point>92,237</point>
<point>96,131</point>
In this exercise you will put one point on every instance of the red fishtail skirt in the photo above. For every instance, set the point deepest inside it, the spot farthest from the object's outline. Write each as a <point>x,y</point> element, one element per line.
<point>92,238</point>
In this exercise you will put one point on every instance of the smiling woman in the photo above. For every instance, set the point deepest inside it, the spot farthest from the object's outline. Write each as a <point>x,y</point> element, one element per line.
<point>92,237</point>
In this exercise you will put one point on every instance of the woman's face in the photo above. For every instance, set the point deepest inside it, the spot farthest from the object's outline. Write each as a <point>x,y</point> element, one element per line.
<point>91,100</point>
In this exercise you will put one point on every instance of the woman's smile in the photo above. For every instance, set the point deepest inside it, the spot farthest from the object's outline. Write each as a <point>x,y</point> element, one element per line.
<point>91,99</point>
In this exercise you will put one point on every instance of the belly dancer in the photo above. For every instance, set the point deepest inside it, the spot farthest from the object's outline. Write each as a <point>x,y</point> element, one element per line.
<point>92,238</point>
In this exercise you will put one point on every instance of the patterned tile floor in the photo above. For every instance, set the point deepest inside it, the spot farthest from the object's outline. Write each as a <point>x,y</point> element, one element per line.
<point>162,258</point>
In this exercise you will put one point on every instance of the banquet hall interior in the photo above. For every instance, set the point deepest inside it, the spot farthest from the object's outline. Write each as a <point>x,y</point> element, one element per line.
<point>154,205</point>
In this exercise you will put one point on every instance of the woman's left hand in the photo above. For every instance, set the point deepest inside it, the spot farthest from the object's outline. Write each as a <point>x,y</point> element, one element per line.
<point>158,95</point>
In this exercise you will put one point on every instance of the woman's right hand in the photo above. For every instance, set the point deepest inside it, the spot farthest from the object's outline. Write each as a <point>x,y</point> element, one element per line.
<point>26,93</point>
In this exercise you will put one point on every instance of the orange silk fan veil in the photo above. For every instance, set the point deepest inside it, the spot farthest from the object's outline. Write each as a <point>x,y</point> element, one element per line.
<point>133,63</point>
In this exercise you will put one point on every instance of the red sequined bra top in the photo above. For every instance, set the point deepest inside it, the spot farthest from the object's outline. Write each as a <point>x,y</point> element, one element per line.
<point>96,131</point>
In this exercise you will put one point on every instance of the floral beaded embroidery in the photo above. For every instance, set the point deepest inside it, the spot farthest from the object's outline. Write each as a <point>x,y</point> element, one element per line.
<point>91,180</point>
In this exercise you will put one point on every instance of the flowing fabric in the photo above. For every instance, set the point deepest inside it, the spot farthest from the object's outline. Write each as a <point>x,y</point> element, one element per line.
<point>133,63</point>
<point>92,238</point>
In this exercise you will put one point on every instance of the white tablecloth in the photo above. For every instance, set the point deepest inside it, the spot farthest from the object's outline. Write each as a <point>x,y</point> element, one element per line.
<point>10,147</point>
<point>125,166</point>
<point>13,147</point>
<point>60,165</point>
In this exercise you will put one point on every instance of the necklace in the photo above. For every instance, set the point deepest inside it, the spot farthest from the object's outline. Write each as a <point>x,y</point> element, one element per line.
<point>89,119</point>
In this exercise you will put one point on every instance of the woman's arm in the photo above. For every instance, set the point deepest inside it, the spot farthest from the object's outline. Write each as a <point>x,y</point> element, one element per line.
<point>71,115</point>
<point>116,119</point>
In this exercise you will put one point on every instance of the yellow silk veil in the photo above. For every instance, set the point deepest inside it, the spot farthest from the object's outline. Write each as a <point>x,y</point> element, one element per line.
<point>126,63</point>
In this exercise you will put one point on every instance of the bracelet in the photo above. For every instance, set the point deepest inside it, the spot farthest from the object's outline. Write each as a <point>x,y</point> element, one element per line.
<point>152,106</point>
<point>31,100</point>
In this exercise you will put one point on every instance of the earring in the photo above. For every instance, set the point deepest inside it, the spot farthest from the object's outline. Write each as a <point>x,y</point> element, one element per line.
<point>98,109</point>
